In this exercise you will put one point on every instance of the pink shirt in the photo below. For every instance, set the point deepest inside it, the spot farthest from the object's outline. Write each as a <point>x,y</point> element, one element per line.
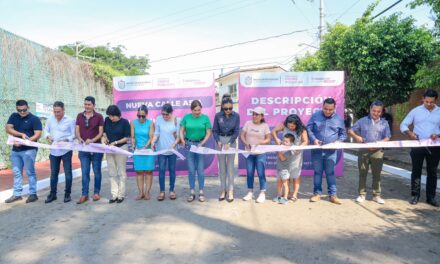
<point>255,133</point>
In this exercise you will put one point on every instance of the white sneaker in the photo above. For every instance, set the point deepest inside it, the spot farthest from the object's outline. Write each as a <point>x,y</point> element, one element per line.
<point>360,199</point>
<point>261,197</point>
<point>378,200</point>
<point>249,196</point>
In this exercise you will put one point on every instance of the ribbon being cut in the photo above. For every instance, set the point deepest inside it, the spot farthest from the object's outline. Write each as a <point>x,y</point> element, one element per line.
<point>92,147</point>
<point>100,148</point>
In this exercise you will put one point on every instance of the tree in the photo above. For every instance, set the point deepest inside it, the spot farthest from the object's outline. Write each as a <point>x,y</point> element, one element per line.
<point>379,58</point>
<point>113,57</point>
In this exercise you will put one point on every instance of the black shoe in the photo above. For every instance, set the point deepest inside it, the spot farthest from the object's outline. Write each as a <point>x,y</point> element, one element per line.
<point>67,198</point>
<point>112,200</point>
<point>433,202</point>
<point>414,200</point>
<point>50,198</point>
<point>13,199</point>
<point>120,200</point>
<point>32,198</point>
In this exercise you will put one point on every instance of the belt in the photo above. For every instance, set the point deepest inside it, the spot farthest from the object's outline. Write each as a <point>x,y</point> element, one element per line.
<point>226,135</point>
<point>190,140</point>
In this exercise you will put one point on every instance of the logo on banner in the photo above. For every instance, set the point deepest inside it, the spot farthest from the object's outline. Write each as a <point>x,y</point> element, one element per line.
<point>121,84</point>
<point>248,80</point>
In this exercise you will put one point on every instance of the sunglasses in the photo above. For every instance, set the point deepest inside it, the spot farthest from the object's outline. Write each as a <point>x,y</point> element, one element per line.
<point>141,116</point>
<point>165,114</point>
<point>22,110</point>
<point>255,114</point>
<point>227,109</point>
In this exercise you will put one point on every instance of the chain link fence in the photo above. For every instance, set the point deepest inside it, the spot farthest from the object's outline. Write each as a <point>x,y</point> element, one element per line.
<point>41,75</point>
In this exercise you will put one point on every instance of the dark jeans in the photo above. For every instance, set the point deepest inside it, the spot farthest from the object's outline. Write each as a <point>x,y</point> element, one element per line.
<point>324,161</point>
<point>87,159</point>
<point>55,162</point>
<point>171,168</point>
<point>418,155</point>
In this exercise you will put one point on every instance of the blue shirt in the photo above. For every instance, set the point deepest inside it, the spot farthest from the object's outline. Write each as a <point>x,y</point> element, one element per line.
<point>27,125</point>
<point>425,122</point>
<point>167,131</point>
<point>63,130</point>
<point>326,129</point>
<point>370,130</point>
<point>226,126</point>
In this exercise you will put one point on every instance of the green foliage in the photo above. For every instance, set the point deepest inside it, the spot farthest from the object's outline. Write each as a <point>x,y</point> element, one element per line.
<point>310,62</point>
<point>380,58</point>
<point>428,76</point>
<point>108,62</point>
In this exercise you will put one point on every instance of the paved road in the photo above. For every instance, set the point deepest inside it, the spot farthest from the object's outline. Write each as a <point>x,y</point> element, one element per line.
<point>218,232</point>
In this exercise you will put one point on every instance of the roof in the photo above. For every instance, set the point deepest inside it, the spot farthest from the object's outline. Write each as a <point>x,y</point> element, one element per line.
<point>249,70</point>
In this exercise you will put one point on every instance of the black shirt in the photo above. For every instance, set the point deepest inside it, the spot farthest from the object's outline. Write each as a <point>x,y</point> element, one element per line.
<point>116,130</point>
<point>26,125</point>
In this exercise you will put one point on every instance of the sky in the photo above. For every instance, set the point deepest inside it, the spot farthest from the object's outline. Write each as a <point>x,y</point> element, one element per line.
<point>170,28</point>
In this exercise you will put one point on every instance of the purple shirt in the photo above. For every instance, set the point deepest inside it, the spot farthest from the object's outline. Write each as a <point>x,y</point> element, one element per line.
<point>372,131</point>
<point>88,129</point>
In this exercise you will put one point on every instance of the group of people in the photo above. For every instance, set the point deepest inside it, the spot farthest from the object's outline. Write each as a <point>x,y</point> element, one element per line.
<point>195,129</point>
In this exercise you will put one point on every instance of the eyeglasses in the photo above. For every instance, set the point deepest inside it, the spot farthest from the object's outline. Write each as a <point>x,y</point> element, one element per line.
<point>165,114</point>
<point>141,116</point>
<point>227,109</point>
<point>22,110</point>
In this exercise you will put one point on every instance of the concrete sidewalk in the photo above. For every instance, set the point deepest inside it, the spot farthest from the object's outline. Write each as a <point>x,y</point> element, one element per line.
<point>218,232</point>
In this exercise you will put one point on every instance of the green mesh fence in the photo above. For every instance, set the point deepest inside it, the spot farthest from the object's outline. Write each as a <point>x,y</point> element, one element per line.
<point>38,74</point>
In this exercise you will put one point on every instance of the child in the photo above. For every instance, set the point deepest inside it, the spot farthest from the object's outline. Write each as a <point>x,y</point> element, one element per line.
<point>284,167</point>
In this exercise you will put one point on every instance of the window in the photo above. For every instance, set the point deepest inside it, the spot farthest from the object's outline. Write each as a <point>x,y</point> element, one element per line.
<point>233,91</point>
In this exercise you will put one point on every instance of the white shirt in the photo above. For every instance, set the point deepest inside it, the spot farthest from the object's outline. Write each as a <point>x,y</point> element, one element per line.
<point>425,122</point>
<point>60,131</point>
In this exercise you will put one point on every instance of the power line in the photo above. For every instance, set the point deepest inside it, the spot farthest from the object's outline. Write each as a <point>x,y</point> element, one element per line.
<point>181,22</point>
<point>345,12</point>
<point>149,21</point>
<point>230,45</point>
<point>386,9</point>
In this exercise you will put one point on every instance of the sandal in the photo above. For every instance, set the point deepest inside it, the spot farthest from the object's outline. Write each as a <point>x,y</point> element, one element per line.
<point>191,197</point>
<point>201,197</point>
<point>173,196</point>
<point>140,197</point>
<point>147,196</point>
<point>161,196</point>
<point>293,198</point>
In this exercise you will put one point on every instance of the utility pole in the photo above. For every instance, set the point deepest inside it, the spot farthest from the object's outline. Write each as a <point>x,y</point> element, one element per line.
<point>321,20</point>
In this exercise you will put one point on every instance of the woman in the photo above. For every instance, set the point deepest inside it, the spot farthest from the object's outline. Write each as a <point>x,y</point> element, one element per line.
<point>116,133</point>
<point>256,132</point>
<point>166,136</point>
<point>225,130</point>
<point>195,129</point>
<point>293,125</point>
<point>142,130</point>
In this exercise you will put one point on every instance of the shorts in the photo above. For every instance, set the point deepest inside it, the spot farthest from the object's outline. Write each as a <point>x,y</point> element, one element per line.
<point>283,174</point>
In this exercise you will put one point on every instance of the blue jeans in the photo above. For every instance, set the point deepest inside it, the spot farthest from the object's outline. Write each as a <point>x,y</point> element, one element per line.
<point>87,159</point>
<point>171,168</point>
<point>258,162</point>
<point>196,162</point>
<point>55,162</point>
<point>324,161</point>
<point>24,159</point>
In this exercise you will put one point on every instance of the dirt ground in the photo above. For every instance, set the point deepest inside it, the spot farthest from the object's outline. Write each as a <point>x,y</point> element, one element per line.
<point>221,232</point>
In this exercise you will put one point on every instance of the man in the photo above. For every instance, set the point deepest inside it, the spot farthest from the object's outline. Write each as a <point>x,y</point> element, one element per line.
<point>60,127</point>
<point>371,128</point>
<point>89,129</point>
<point>25,125</point>
<point>426,121</point>
<point>325,127</point>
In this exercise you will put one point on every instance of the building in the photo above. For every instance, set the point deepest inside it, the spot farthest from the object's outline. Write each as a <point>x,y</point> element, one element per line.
<point>228,82</point>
